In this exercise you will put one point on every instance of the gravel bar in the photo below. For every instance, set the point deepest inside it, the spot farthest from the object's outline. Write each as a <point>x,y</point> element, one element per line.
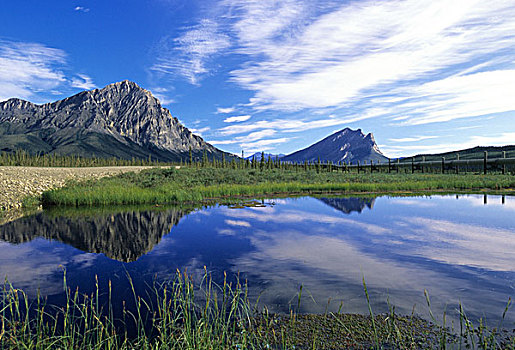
<point>17,182</point>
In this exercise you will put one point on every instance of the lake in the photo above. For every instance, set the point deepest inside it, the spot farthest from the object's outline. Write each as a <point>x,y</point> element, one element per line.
<point>458,248</point>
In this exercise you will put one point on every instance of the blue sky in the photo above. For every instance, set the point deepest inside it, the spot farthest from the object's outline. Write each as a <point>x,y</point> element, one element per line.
<point>276,76</point>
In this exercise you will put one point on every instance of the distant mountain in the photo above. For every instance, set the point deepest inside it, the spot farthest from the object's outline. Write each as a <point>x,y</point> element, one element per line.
<point>346,145</point>
<point>121,120</point>
<point>258,156</point>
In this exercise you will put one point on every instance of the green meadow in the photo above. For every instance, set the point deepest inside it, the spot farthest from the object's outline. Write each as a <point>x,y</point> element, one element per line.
<point>201,184</point>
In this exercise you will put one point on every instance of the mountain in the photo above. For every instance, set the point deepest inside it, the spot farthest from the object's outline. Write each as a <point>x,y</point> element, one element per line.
<point>257,156</point>
<point>121,120</point>
<point>346,145</point>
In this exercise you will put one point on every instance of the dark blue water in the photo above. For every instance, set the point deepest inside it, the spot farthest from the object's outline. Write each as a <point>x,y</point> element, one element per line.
<point>458,248</point>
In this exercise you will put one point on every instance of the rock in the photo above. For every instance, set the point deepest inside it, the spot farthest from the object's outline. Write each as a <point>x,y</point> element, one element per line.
<point>346,145</point>
<point>122,120</point>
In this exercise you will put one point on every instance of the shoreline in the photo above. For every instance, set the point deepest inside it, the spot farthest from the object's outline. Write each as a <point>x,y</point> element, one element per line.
<point>215,185</point>
<point>19,182</point>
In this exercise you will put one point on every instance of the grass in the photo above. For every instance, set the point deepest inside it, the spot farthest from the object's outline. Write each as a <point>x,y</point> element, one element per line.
<point>161,186</point>
<point>180,314</point>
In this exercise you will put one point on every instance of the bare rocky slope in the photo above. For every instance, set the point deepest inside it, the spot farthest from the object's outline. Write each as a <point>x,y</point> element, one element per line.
<point>121,120</point>
<point>346,145</point>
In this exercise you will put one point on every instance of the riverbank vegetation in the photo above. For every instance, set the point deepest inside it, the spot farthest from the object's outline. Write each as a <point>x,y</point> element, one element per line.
<point>181,314</point>
<point>201,184</point>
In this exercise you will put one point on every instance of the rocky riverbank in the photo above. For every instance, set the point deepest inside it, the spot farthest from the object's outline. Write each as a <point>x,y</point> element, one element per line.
<point>16,183</point>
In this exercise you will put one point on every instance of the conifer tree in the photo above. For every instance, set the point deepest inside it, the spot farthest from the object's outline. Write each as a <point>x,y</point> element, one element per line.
<point>191,156</point>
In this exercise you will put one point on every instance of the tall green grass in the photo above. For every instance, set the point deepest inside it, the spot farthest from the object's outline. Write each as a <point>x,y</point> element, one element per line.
<point>160,186</point>
<point>181,314</point>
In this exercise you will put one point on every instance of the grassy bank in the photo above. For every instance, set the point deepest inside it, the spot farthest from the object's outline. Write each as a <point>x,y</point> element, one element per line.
<point>159,186</point>
<point>183,315</point>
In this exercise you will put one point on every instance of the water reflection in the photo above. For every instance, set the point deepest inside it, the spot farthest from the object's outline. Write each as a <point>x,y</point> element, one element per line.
<point>459,250</point>
<point>400,256</point>
<point>123,236</point>
<point>349,204</point>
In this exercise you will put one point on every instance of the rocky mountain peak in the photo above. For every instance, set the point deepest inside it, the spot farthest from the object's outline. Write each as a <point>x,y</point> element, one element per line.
<point>345,145</point>
<point>124,87</point>
<point>122,110</point>
<point>370,137</point>
<point>15,103</point>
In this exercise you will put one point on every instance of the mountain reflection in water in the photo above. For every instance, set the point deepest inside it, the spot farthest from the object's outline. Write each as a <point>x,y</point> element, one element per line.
<point>122,236</point>
<point>350,204</point>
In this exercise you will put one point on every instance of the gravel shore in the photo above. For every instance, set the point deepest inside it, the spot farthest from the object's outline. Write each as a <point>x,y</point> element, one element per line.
<point>17,182</point>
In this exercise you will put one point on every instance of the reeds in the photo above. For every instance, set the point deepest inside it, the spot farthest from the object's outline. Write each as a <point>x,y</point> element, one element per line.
<point>181,314</point>
<point>176,315</point>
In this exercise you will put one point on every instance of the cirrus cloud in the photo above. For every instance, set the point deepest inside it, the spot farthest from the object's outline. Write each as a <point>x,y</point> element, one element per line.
<point>239,118</point>
<point>30,70</point>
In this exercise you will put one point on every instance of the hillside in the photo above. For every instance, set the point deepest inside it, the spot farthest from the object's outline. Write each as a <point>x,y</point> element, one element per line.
<point>468,153</point>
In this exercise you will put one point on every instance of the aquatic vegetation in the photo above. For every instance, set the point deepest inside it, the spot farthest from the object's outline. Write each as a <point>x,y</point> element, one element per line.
<point>181,314</point>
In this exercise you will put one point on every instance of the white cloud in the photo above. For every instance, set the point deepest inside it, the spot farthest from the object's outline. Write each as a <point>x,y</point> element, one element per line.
<point>239,223</point>
<point>31,70</point>
<point>227,110</point>
<point>165,100</point>
<point>495,201</point>
<point>26,68</point>
<point>254,136</point>
<point>226,232</point>
<point>507,138</point>
<point>222,142</point>
<point>82,81</point>
<point>188,55</point>
<point>297,125</point>
<point>413,139</point>
<point>403,62</point>
<point>360,49</point>
<point>461,96</point>
<point>255,141</point>
<point>161,93</point>
<point>200,131</point>
<point>81,9</point>
<point>328,257</point>
<point>263,145</point>
<point>239,118</point>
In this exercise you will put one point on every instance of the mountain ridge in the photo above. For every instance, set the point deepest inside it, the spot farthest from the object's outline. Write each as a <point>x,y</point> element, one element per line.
<point>125,121</point>
<point>346,145</point>
<point>121,115</point>
<point>257,156</point>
